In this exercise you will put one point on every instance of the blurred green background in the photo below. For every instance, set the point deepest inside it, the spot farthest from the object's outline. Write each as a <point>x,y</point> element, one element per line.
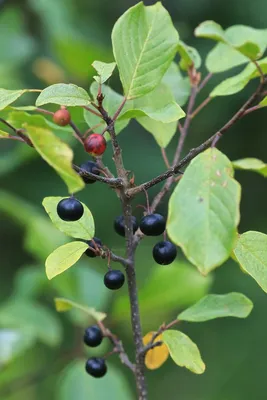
<point>47,41</point>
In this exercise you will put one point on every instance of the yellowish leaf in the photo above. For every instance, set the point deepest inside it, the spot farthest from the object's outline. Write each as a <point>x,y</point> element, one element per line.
<point>156,356</point>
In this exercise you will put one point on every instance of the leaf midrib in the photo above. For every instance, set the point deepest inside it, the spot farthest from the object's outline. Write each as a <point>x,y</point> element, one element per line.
<point>141,53</point>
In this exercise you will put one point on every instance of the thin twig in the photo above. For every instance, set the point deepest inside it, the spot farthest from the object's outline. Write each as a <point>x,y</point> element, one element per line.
<point>92,111</point>
<point>42,110</point>
<point>251,109</point>
<point>194,152</point>
<point>165,158</point>
<point>13,138</point>
<point>200,107</point>
<point>205,81</point>
<point>91,129</point>
<point>77,132</point>
<point>118,346</point>
<point>113,182</point>
<point>161,329</point>
<point>183,133</point>
<point>9,125</point>
<point>117,113</point>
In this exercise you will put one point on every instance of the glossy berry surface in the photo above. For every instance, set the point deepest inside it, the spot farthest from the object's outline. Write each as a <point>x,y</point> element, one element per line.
<point>62,117</point>
<point>114,279</point>
<point>93,336</point>
<point>153,224</point>
<point>96,367</point>
<point>164,253</point>
<point>119,225</point>
<point>95,144</point>
<point>90,166</point>
<point>70,209</point>
<point>89,252</point>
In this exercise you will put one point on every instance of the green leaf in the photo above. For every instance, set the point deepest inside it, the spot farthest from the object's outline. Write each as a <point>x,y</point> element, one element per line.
<point>74,379</point>
<point>23,108</point>
<point>223,57</point>
<point>183,351</point>
<point>9,96</point>
<point>63,258</point>
<point>104,71</point>
<point>248,41</point>
<point>57,154</point>
<point>66,305</point>
<point>112,101</point>
<point>162,132</point>
<point>3,134</point>
<point>189,56</point>
<point>211,30</point>
<point>144,44</point>
<point>179,85</point>
<point>251,164</point>
<point>84,228</point>
<point>13,342</point>
<point>238,82</point>
<point>73,284</point>
<point>181,284</point>
<point>19,118</point>
<point>251,253</point>
<point>31,316</point>
<point>218,306</point>
<point>64,95</point>
<point>204,210</point>
<point>159,105</point>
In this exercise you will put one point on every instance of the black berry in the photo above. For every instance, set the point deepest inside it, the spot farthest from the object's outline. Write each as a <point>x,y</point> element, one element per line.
<point>89,252</point>
<point>119,225</point>
<point>90,166</point>
<point>93,336</point>
<point>114,279</point>
<point>164,253</point>
<point>96,367</point>
<point>153,224</point>
<point>70,209</point>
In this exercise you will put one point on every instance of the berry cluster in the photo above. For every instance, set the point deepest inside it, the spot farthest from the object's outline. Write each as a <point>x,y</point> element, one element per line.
<point>95,144</point>
<point>164,252</point>
<point>71,209</point>
<point>94,366</point>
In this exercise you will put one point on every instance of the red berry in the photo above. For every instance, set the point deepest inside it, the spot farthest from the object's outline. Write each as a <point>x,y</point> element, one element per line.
<point>95,144</point>
<point>62,117</point>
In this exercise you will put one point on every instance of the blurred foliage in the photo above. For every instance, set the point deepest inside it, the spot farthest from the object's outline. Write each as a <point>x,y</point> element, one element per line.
<point>45,42</point>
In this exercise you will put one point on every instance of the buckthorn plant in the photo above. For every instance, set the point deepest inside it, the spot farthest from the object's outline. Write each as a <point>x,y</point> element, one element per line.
<point>198,231</point>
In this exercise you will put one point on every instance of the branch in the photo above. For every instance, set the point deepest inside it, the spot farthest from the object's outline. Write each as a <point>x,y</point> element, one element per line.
<point>200,107</point>
<point>165,158</point>
<point>194,152</point>
<point>161,329</point>
<point>92,111</point>
<point>113,182</point>
<point>205,81</point>
<point>117,113</point>
<point>19,132</point>
<point>118,346</point>
<point>111,129</point>
<point>130,250</point>
<point>77,132</point>
<point>183,133</point>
